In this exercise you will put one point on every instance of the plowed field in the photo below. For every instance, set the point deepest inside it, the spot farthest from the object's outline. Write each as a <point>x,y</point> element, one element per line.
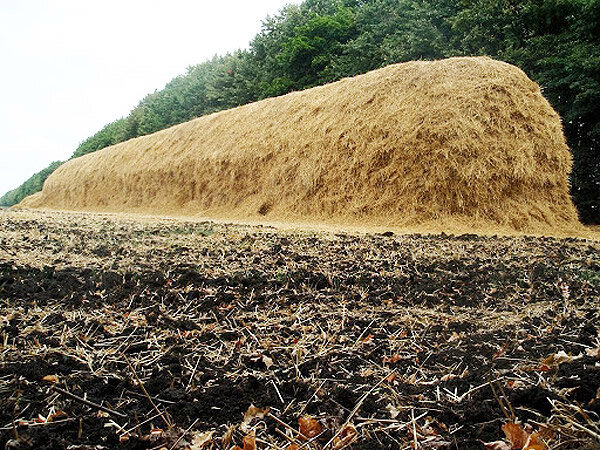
<point>147,333</point>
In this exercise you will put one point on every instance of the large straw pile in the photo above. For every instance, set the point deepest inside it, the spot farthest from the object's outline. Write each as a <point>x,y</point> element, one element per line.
<point>463,140</point>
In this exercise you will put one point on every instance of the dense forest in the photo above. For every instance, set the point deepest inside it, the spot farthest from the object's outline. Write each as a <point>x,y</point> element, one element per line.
<point>556,42</point>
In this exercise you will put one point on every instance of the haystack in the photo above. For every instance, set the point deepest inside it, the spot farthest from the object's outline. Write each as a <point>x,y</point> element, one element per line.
<point>462,140</point>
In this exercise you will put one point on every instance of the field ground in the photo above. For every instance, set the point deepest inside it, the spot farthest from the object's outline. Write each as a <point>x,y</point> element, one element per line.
<point>117,332</point>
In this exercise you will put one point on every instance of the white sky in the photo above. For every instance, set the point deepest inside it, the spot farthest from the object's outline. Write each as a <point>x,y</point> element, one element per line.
<point>69,67</point>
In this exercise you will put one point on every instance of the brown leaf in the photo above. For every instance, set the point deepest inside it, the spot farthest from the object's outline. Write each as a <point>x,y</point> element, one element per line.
<point>249,442</point>
<point>57,415</point>
<point>515,434</point>
<point>367,339</point>
<point>191,333</point>
<point>391,377</point>
<point>515,384</point>
<point>593,352</point>
<point>201,440</point>
<point>346,437</point>
<point>238,344</point>
<point>252,413</point>
<point>268,362</point>
<point>535,442</point>
<point>558,358</point>
<point>226,438</point>
<point>309,426</point>
<point>391,359</point>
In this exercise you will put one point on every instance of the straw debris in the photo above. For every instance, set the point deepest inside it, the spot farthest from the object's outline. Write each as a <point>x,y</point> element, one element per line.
<point>464,140</point>
<point>122,333</point>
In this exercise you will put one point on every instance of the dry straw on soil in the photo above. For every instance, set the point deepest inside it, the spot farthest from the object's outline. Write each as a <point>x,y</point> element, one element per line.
<point>464,140</point>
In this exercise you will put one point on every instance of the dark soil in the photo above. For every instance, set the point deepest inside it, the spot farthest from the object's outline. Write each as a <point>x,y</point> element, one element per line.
<point>432,341</point>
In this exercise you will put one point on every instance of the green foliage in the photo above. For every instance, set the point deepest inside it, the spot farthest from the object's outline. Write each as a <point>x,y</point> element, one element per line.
<point>111,134</point>
<point>31,186</point>
<point>306,56</point>
<point>296,49</point>
<point>556,42</point>
<point>390,31</point>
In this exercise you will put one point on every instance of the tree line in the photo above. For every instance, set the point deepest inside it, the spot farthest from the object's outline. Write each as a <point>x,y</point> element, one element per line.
<point>556,42</point>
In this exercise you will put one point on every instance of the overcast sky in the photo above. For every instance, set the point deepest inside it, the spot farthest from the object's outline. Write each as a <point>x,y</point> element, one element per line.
<point>69,67</point>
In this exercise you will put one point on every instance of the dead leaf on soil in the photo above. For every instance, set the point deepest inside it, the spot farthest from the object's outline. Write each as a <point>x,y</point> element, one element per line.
<point>226,439</point>
<point>268,362</point>
<point>535,442</point>
<point>201,440</point>
<point>557,359</point>
<point>367,339</point>
<point>391,377</point>
<point>394,412</point>
<point>57,415</point>
<point>520,439</point>
<point>515,384</point>
<point>593,352</point>
<point>249,441</point>
<point>346,437</point>
<point>515,434</point>
<point>252,413</point>
<point>309,426</point>
<point>391,359</point>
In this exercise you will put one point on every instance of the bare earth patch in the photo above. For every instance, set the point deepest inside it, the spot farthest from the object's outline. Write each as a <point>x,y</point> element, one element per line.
<point>117,332</point>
